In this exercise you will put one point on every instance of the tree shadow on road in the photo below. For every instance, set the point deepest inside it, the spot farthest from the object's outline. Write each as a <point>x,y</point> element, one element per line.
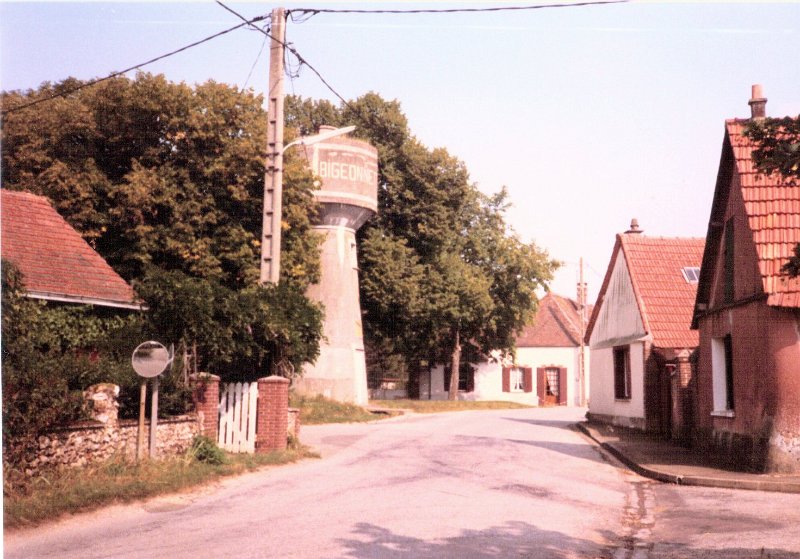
<point>512,539</point>
<point>557,423</point>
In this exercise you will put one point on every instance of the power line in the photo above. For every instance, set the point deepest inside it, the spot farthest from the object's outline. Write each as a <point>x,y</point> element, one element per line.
<point>136,67</point>
<point>314,11</point>
<point>291,49</point>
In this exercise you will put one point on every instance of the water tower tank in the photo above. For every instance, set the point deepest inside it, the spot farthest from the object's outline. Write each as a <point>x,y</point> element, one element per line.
<point>348,196</point>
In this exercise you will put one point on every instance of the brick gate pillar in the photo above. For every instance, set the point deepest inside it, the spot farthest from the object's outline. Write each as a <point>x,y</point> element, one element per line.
<point>687,404</point>
<point>205,394</point>
<point>273,414</point>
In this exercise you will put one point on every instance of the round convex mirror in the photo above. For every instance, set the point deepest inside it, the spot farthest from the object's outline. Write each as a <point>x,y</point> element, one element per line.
<point>150,359</point>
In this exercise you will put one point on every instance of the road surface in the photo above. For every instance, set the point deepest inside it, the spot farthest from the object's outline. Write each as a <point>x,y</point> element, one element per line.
<point>494,484</point>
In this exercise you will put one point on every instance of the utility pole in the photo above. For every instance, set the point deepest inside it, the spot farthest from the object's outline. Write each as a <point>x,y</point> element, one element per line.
<point>582,311</point>
<point>273,180</point>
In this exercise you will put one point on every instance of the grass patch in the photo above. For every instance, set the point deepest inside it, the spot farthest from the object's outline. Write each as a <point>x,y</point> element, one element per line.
<point>28,501</point>
<point>434,406</point>
<point>317,410</point>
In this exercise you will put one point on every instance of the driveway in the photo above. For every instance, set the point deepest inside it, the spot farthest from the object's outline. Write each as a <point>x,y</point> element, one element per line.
<point>488,484</point>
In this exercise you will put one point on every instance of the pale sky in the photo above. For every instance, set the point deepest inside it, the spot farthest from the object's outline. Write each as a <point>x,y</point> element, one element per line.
<point>590,116</point>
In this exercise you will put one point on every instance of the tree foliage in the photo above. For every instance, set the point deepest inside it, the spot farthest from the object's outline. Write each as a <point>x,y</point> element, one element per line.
<point>166,181</point>
<point>778,151</point>
<point>440,268</point>
<point>52,352</point>
<point>160,174</point>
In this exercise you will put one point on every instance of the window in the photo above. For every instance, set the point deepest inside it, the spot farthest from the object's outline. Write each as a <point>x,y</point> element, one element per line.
<point>728,291</point>
<point>691,274</point>
<point>622,373</point>
<point>722,374</point>
<point>517,380</point>
<point>466,378</point>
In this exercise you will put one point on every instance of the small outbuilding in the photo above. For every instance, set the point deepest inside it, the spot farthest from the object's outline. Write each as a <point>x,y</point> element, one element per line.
<point>639,333</point>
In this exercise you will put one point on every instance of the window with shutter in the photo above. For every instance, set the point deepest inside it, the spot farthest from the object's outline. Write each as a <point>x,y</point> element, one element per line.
<point>528,378</point>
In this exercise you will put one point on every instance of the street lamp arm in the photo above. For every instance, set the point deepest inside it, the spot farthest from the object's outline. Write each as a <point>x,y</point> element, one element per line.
<point>321,137</point>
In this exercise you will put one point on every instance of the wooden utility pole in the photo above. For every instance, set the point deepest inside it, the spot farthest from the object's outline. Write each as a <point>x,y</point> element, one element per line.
<point>582,310</point>
<point>273,180</point>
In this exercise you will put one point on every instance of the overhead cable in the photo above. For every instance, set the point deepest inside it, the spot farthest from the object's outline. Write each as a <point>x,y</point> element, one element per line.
<point>313,11</point>
<point>135,67</point>
<point>291,49</point>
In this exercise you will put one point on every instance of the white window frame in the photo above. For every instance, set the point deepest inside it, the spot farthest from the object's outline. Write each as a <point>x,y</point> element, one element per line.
<point>691,274</point>
<point>517,379</point>
<point>719,379</point>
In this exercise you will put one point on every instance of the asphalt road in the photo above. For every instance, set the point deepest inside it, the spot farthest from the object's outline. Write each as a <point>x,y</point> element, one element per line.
<point>492,484</point>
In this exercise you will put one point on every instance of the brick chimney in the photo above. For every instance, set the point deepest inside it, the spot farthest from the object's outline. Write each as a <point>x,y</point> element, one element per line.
<point>634,230</point>
<point>758,103</point>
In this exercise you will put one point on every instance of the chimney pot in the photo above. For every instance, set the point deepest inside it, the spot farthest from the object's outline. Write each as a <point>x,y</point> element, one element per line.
<point>758,103</point>
<point>634,229</point>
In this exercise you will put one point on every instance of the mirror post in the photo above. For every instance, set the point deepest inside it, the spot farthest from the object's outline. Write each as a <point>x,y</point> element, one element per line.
<point>153,417</point>
<point>140,435</point>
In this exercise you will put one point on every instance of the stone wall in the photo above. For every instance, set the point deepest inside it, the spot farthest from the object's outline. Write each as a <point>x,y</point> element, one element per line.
<point>105,437</point>
<point>83,444</point>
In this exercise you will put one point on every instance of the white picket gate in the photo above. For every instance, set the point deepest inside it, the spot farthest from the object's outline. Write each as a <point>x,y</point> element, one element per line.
<point>237,417</point>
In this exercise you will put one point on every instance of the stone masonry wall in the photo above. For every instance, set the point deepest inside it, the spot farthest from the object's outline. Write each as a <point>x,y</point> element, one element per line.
<point>83,444</point>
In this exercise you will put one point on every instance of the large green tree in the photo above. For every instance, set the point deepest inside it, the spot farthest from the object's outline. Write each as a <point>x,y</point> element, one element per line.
<point>166,181</point>
<point>441,270</point>
<point>778,151</point>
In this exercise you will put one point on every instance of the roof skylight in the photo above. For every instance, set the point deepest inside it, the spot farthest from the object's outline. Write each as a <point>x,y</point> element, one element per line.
<point>691,274</point>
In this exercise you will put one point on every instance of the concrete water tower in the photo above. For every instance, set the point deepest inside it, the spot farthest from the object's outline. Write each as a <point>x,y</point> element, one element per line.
<point>348,197</point>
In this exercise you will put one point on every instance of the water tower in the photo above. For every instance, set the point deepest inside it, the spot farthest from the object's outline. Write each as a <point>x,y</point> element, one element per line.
<point>348,197</point>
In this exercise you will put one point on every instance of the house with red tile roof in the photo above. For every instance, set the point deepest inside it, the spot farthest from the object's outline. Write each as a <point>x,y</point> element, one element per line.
<point>546,369</point>
<point>639,333</point>
<point>747,312</point>
<point>56,263</point>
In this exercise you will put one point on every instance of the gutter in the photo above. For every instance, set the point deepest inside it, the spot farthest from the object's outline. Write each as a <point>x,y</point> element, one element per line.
<point>60,297</point>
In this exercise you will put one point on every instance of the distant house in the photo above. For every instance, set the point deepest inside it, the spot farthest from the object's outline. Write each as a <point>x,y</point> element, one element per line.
<point>546,370</point>
<point>748,312</point>
<point>639,333</point>
<point>55,262</point>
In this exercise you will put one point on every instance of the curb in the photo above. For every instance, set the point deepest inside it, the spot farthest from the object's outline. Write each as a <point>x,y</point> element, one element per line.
<point>698,481</point>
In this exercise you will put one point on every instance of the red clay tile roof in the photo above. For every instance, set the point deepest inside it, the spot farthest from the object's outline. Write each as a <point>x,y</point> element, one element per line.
<point>664,297</point>
<point>56,263</point>
<point>557,324</point>
<point>773,211</point>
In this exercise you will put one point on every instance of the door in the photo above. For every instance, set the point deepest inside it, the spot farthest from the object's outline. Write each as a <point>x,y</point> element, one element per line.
<point>552,387</point>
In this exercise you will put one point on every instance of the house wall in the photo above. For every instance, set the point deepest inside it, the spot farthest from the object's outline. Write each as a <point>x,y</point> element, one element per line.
<point>567,357</point>
<point>489,379</point>
<point>762,432</point>
<point>618,321</point>
<point>486,376</point>
<point>603,406</point>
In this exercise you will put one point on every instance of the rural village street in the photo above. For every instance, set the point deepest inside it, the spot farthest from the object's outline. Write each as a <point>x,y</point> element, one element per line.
<point>494,484</point>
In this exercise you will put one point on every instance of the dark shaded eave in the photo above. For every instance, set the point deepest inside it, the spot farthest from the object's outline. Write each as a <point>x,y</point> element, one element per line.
<point>601,295</point>
<point>716,223</point>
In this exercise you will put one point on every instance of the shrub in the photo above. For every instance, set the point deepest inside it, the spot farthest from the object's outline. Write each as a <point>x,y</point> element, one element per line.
<point>205,450</point>
<point>52,352</point>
